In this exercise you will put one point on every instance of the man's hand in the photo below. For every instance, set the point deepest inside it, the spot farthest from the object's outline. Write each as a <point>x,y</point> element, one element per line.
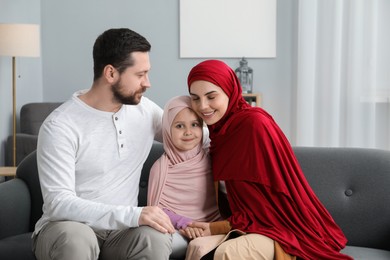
<point>196,229</point>
<point>156,218</point>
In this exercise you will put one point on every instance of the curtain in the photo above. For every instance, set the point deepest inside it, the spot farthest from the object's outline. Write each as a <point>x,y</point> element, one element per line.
<point>343,74</point>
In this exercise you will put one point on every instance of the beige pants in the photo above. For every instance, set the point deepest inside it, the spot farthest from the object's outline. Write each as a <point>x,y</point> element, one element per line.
<point>246,247</point>
<point>231,246</point>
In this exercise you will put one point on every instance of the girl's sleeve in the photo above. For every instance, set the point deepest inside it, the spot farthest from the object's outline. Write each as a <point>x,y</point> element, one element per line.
<point>178,221</point>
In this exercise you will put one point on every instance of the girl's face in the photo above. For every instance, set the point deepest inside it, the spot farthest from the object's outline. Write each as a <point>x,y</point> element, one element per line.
<point>209,101</point>
<point>186,130</point>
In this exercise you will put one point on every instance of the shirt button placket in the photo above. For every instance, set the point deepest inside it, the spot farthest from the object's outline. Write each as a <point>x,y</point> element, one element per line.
<point>121,145</point>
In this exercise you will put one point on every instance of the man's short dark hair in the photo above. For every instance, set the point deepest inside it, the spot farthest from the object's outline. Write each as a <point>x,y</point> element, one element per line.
<point>114,47</point>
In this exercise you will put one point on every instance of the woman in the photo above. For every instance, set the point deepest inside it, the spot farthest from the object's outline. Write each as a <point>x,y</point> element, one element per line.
<point>180,180</point>
<point>269,197</point>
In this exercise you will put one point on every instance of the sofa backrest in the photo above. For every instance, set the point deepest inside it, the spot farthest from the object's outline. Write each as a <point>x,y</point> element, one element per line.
<point>32,116</point>
<point>353,184</point>
<point>155,153</point>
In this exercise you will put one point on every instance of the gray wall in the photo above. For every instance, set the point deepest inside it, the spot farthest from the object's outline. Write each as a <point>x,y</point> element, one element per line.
<point>69,29</point>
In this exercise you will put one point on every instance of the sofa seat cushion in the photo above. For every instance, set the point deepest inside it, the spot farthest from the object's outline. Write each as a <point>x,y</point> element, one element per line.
<point>17,247</point>
<point>364,253</point>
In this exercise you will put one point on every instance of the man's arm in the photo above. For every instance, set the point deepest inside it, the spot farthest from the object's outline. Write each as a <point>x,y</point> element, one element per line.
<point>157,113</point>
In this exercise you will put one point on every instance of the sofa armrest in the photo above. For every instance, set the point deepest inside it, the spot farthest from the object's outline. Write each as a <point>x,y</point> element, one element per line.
<point>15,208</point>
<point>25,144</point>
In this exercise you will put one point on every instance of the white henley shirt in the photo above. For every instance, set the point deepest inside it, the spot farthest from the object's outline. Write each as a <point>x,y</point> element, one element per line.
<point>90,162</point>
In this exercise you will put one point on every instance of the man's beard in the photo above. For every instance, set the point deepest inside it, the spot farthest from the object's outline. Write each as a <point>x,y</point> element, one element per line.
<point>126,100</point>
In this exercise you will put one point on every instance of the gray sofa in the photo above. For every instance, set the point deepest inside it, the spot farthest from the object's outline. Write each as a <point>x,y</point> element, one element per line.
<point>32,116</point>
<point>352,183</point>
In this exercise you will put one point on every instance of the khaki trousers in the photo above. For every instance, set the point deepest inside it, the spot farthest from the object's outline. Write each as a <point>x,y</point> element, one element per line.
<point>68,240</point>
<point>250,246</point>
<point>235,245</point>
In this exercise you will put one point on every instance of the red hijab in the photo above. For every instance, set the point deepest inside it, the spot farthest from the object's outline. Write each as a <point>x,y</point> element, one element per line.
<point>267,190</point>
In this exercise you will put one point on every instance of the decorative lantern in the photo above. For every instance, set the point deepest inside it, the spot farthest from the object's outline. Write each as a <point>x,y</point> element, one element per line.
<point>245,75</point>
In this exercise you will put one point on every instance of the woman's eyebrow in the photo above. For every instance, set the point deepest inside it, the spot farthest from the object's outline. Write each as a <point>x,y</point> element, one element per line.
<point>211,92</point>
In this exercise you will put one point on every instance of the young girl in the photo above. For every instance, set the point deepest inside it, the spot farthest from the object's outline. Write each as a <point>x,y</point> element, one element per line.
<point>270,199</point>
<point>180,180</point>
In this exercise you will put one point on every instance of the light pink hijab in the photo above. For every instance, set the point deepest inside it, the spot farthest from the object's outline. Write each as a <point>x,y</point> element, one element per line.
<point>181,181</point>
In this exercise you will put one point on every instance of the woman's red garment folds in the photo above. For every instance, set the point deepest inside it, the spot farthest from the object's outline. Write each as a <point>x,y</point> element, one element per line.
<point>268,192</point>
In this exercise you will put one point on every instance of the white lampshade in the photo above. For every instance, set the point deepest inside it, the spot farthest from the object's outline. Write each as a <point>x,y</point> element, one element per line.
<point>19,40</point>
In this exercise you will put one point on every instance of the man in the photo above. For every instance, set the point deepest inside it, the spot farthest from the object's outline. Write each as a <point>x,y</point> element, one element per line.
<point>90,155</point>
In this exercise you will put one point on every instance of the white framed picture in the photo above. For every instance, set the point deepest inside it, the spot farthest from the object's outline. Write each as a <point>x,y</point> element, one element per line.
<point>227,28</point>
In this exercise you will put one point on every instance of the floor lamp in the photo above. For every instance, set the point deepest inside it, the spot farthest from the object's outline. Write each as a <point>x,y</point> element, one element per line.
<point>18,40</point>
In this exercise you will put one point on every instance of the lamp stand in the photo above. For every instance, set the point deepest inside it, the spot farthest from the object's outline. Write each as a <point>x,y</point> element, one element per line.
<point>14,110</point>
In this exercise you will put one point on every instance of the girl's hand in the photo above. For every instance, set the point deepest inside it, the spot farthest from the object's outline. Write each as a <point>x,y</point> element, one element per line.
<point>196,229</point>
